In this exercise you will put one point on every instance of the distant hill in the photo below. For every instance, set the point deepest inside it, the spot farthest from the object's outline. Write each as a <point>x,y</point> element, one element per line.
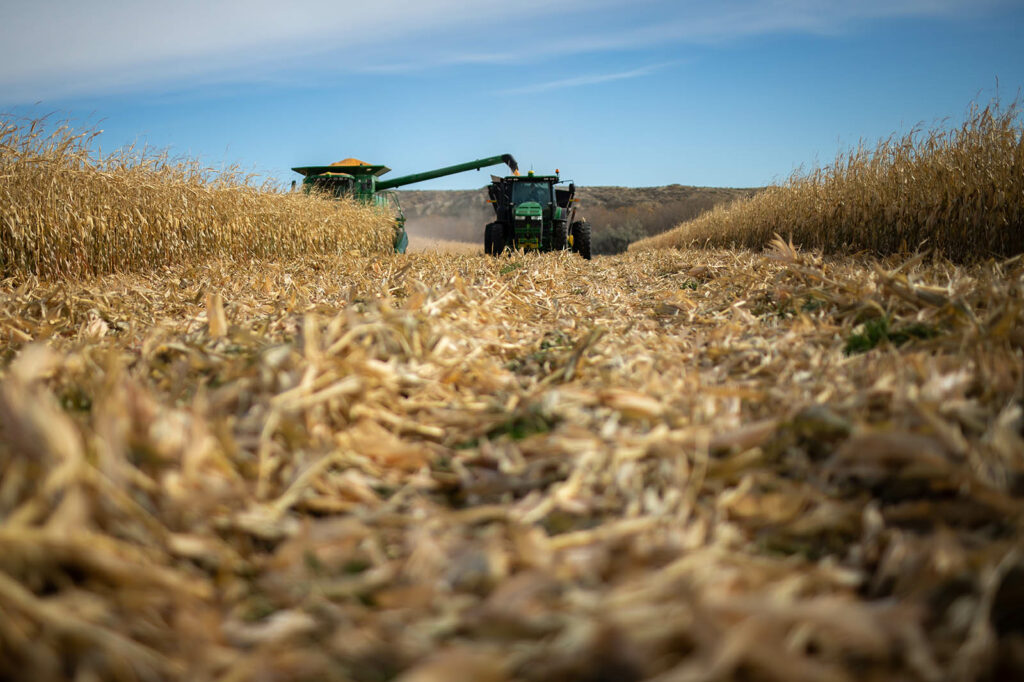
<point>618,215</point>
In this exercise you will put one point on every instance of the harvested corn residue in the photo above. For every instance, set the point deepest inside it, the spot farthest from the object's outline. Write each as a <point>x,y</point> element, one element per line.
<point>664,465</point>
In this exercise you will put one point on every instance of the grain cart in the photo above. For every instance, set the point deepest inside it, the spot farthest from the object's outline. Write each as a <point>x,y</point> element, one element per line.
<point>361,181</point>
<point>533,214</point>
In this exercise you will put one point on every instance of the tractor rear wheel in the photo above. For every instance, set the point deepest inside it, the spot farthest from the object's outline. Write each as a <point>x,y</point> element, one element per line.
<point>581,238</point>
<point>494,242</point>
<point>558,236</point>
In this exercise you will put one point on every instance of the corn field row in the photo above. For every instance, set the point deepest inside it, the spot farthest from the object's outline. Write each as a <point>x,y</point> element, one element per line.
<point>65,213</point>
<point>957,191</point>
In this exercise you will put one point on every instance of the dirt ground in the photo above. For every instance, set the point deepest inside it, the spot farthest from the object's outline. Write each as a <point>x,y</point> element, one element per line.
<point>419,243</point>
<point>709,465</point>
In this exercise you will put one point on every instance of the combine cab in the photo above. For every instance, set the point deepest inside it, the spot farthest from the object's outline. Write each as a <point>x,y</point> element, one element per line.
<point>534,214</point>
<point>359,180</point>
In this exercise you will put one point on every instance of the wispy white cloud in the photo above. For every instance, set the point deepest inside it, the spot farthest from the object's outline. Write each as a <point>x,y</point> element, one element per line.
<point>697,22</point>
<point>52,48</point>
<point>59,48</point>
<point>580,81</point>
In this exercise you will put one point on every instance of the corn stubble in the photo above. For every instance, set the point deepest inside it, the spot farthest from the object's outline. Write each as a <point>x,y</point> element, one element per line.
<point>65,213</point>
<point>958,192</point>
<point>444,466</point>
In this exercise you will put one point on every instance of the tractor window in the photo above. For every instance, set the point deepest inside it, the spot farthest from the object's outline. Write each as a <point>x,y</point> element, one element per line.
<point>532,191</point>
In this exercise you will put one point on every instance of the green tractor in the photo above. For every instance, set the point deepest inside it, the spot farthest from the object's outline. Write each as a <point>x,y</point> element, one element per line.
<point>352,178</point>
<point>534,214</point>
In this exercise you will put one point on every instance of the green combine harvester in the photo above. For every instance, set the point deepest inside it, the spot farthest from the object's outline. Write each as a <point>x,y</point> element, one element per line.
<point>533,214</point>
<point>352,178</point>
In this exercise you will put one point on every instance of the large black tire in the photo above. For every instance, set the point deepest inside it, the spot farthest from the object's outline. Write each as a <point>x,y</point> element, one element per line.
<point>581,238</point>
<point>558,235</point>
<point>508,238</point>
<point>494,239</point>
<point>489,239</point>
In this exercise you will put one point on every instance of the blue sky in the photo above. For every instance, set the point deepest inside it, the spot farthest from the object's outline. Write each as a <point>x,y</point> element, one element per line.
<point>613,92</point>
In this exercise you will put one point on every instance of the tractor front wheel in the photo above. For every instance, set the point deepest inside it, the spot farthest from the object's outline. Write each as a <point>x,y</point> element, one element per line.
<point>494,239</point>
<point>558,236</point>
<point>581,238</point>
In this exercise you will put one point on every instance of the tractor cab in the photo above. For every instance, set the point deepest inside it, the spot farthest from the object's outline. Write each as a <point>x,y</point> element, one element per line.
<point>536,190</point>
